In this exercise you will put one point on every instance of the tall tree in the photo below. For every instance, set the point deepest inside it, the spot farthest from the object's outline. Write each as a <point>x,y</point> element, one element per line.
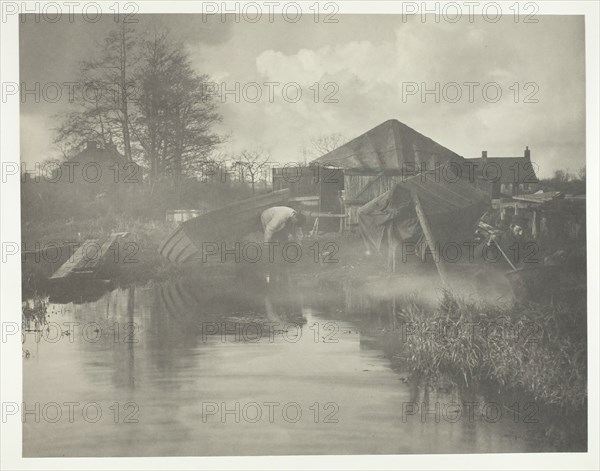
<point>175,116</point>
<point>150,124</point>
<point>122,42</point>
<point>113,73</point>
<point>102,99</point>
<point>142,94</point>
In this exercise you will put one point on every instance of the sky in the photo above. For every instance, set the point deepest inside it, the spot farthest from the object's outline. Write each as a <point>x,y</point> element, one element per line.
<point>367,69</point>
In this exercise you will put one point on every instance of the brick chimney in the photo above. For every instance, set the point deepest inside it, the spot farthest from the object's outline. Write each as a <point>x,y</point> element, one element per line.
<point>527,153</point>
<point>484,155</point>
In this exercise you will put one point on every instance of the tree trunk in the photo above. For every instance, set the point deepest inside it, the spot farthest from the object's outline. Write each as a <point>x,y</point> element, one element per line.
<point>123,84</point>
<point>178,150</point>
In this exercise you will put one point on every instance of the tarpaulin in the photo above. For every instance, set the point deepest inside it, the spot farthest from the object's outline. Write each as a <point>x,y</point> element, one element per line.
<point>452,206</point>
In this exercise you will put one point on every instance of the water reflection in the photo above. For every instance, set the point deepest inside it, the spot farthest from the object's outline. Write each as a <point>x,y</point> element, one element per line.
<point>216,366</point>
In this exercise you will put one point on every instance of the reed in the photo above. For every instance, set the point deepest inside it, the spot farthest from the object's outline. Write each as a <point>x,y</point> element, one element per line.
<point>535,348</point>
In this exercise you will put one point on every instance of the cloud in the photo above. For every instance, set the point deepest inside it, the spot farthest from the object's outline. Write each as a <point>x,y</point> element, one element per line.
<point>36,139</point>
<point>542,99</point>
<point>364,64</point>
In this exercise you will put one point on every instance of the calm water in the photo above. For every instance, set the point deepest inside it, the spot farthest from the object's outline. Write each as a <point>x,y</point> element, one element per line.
<point>296,369</point>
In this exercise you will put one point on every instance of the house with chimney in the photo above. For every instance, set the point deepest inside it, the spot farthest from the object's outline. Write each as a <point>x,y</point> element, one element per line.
<point>506,176</point>
<point>96,170</point>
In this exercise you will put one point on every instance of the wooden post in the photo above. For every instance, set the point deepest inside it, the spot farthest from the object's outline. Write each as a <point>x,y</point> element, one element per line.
<point>342,210</point>
<point>391,249</point>
<point>430,239</point>
<point>320,205</point>
<point>512,265</point>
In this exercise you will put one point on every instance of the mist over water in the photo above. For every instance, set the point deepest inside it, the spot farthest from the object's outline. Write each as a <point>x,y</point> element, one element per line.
<point>206,367</point>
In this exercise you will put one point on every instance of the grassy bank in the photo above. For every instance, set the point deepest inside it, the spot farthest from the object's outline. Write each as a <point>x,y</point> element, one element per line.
<point>536,349</point>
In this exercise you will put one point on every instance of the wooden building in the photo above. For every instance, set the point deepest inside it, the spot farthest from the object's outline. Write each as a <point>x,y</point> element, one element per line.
<point>355,173</point>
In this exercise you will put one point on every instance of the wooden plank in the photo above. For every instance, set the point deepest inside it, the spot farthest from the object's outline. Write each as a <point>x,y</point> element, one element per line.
<point>512,265</point>
<point>88,259</point>
<point>355,202</point>
<point>368,185</point>
<point>325,215</point>
<point>430,239</point>
<point>94,263</point>
<point>77,260</point>
<point>305,198</point>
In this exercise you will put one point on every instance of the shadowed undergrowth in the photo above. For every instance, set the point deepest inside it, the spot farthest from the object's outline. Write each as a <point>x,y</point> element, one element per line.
<point>537,349</point>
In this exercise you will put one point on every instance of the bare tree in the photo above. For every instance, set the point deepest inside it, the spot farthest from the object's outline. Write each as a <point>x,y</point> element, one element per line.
<point>561,176</point>
<point>118,44</point>
<point>148,100</point>
<point>105,90</point>
<point>149,124</point>
<point>323,144</point>
<point>175,116</point>
<point>252,165</point>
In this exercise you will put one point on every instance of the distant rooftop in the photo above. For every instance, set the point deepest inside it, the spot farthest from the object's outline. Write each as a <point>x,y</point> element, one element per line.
<point>92,152</point>
<point>510,169</point>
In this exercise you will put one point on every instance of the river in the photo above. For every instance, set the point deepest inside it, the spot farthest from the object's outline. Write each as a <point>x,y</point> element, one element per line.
<point>223,367</point>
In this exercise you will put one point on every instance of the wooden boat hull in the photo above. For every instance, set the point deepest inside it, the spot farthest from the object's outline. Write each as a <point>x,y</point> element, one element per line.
<point>227,224</point>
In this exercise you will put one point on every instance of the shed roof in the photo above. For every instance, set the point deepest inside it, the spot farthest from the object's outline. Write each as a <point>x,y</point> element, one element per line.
<point>391,145</point>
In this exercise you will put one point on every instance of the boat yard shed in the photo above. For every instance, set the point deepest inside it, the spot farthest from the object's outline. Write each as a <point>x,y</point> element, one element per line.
<point>375,161</point>
<point>391,147</point>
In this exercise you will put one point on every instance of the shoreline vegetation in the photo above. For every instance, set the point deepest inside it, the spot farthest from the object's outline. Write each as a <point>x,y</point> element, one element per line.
<point>538,350</point>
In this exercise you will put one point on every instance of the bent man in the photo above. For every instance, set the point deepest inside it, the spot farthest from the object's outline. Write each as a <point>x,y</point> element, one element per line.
<point>281,222</point>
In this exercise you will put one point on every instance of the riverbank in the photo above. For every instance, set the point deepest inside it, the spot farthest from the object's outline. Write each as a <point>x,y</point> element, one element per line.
<point>428,348</point>
<point>537,349</point>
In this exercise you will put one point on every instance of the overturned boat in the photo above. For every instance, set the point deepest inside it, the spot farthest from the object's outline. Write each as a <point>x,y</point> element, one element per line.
<point>227,224</point>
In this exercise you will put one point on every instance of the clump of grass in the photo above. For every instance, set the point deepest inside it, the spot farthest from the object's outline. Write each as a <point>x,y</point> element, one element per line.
<point>539,349</point>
